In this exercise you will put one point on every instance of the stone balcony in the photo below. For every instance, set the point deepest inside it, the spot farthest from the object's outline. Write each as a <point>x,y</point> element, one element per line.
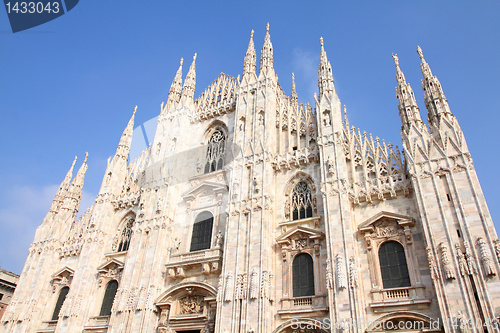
<point>207,261</point>
<point>307,305</point>
<point>98,324</point>
<point>407,298</point>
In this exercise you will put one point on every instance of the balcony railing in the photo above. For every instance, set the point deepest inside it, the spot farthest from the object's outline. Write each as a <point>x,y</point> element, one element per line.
<point>210,261</point>
<point>386,299</point>
<point>308,304</point>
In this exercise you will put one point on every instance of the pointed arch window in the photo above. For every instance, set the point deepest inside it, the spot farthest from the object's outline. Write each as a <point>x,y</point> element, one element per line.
<point>126,236</point>
<point>303,275</point>
<point>301,201</point>
<point>202,232</point>
<point>393,265</point>
<point>60,300</point>
<point>215,152</point>
<point>109,297</point>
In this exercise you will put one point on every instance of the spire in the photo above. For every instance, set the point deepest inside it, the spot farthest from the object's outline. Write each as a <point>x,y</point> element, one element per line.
<point>250,63</point>
<point>190,82</point>
<point>63,188</point>
<point>74,194</point>
<point>174,94</point>
<point>126,139</point>
<point>435,100</point>
<point>294,92</point>
<point>408,109</point>
<point>77,183</point>
<point>325,77</point>
<point>266,55</point>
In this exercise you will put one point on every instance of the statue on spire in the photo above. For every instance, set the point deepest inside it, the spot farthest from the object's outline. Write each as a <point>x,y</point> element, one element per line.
<point>174,95</point>
<point>266,55</point>
<point>190,82</point>
<point>250,62</point>
<point>325,77</point>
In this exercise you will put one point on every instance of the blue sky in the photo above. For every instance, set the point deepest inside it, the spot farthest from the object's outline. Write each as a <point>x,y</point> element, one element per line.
<point>70,85</point>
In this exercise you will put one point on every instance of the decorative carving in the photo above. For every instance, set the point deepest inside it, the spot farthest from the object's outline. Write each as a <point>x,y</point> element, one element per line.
<point>228,296</point>
<point>341,272</point>
<point>471,262</point>
<point>353,273</point>
<point>111,270</point>
<point>486,259</point>
<point>432,264</point>
<point>462,263</point>
<point>445,261</point>
<point>241,284</point>
<point>329,276</point>
<point>219,290</point>
<point>496,244</point>
<point>254,284</point>
<point>191,304</point>
<point>330,166</point>
<point>264,285</point>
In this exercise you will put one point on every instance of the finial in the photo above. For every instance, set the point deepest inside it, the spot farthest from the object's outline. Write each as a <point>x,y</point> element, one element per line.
<point>251,33</point>
<point>267,27</point>
<point>74,161</point>
<point>182,60</point>
<point>396,59</point>
<point>321,41</point>
<point>194,57</point>
<point>135,110</point>
<point>86,156</point>
<point>420,53</point>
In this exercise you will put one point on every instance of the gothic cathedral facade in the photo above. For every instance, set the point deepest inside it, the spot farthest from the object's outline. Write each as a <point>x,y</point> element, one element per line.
<point>252,212</point>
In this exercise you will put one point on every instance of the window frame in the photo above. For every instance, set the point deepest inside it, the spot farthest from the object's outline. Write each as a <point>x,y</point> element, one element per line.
<point>296,288</point>
<point>206,243</point>
<point>106,299</point>
<point>215,161</point>
<point>402,266</point>
<point>59,303</point>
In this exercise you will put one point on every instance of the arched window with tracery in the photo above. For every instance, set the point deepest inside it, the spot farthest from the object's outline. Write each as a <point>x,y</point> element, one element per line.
<point>126,235</point>
<point>215,152</point>
<point>393,265</point>
<point>109,297</point>
<point>60,300</point>
<point>302,205</point>
<point>202,232</point>
<point>303,275</point>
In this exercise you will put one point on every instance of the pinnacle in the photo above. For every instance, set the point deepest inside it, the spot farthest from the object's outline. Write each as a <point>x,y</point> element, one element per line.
<point>420,53</point>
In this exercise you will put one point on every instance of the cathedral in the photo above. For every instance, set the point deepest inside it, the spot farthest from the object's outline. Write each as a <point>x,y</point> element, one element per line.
<point>252,212</point>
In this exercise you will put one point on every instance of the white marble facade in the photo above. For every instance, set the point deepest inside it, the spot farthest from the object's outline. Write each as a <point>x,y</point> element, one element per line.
<point>281,183</point>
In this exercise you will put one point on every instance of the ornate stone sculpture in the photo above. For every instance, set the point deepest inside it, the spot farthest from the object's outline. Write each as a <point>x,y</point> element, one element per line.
<point>191,304</point>
<point>462,263</point>
<point>496,243</point>
<point>341,272</point>
<point>353,273</point>
<point>228,296</point>
<point>470,259</point>
<point>445,261</point>
<point>254,284</point>
<point>329,277</point>
<point>486,259</point>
